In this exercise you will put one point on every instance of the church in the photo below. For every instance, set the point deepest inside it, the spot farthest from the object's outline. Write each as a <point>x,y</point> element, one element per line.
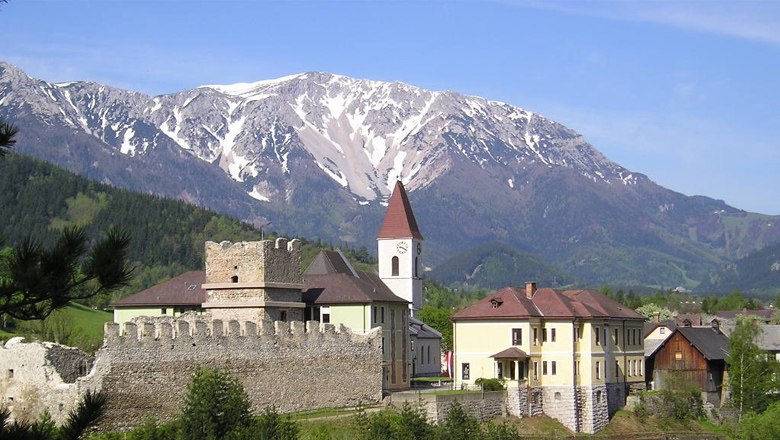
<point>258,281</point>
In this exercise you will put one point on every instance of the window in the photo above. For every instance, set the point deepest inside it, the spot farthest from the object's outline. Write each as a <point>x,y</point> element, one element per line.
<point>544,368</point>
<point>663,330</point>
<point>383,314</point>
<point>9,374</point>
<point>557,396</point>
<point>163,310</point>
<point>536,370</point>
<point>517,336</point>
<point>429,354</point>
<point>598,370</point>
<point>544,335</point>
<point>416,265</point>
<point>598,339</point>
<point>616,336</point>
<point>234,278</point>
<point>375,314</point>
<point>283,315</point>
<point>395,266</point>
<point>553,369</point>
<point>536,336</point>
<point>465,371</point>
<point>325,318</point>
<point>678,355</point>
<point>605,337</point>
<point>552,335</point>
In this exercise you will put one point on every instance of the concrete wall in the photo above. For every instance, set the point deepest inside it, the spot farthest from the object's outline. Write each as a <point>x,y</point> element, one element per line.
<point>146,369</point>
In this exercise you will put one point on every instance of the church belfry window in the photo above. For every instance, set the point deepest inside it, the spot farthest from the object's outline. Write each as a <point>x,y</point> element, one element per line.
<point>416,265</point>
<point>395,266</point>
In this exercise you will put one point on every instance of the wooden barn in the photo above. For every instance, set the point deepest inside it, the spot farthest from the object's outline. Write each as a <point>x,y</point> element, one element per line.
<point>698,355</point>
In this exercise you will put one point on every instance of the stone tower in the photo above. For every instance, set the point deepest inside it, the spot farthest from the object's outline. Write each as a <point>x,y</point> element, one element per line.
<point>252,281</point>
<point>399,250</point>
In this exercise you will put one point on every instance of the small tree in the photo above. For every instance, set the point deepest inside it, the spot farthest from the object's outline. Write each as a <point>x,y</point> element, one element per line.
<point>215,404</point>
<point>752,373</point>
<point>458,424</point>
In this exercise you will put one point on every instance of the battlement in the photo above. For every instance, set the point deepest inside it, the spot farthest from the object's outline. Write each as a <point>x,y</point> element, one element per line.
<point>155,331</point>
<point>266,261</point>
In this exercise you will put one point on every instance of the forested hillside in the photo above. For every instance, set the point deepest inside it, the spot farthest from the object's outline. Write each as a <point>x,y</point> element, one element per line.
<point>757,273</point>
<point>39,199</point>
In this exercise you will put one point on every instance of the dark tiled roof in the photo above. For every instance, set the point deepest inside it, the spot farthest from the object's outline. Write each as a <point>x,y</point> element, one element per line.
<point>329,262</point>
<point>710,342</point>
<point>510,353</point>
<point>183,290</point>
<point>330,279</point>
<point>512,302</point>
<point>769,338</point>
<point>731,314</point>
<point>399,220</point>
<point>422,330</point>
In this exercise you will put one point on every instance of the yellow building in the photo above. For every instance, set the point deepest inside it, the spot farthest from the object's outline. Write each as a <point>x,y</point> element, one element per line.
<point>572,355</point>
<point>336,293</point>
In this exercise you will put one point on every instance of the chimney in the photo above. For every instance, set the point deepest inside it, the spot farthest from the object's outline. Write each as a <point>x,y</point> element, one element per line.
<point>530,289</point>
<point>657,317</point>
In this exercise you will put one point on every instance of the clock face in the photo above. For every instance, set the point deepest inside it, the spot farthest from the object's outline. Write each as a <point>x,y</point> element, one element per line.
<point>419,248</point>
<point>402,247</point>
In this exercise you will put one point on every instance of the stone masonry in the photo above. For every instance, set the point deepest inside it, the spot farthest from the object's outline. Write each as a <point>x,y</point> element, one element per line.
<point>145,370</point>
<point>254,281</point>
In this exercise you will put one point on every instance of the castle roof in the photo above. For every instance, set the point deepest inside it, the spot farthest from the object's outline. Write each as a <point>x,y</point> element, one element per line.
<point>399,220</point>
<point>331,279</point>
<point>183,290</point>
<point>512,303</point>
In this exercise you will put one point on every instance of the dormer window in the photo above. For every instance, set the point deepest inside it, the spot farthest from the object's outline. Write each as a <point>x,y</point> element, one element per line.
<point>496,303</point>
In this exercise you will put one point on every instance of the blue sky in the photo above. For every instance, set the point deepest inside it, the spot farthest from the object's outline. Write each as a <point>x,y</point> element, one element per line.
<point>686,92</point>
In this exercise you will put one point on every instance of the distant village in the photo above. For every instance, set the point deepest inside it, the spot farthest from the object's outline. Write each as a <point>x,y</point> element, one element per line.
<point>332,335</point>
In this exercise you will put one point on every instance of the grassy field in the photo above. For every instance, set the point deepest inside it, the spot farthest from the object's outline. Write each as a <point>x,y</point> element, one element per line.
<point>74,325</point>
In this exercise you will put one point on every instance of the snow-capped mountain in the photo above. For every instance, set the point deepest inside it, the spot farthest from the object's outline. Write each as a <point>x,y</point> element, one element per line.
<point>317,154</point>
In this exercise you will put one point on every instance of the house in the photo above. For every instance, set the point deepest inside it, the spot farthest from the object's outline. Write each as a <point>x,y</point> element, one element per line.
<point>765,315</point>
<point>573,355</point>
<point>697,355</point>
<point>425,343</point>
<point>336,293</point>
<point>171,298</point>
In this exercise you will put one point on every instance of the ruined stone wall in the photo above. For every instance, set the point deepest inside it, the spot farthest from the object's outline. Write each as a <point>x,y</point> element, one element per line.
<point>145,370</point>
<point>38,377</point>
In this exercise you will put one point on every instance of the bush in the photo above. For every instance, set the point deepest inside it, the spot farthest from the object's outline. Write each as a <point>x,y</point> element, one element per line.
<point>490,384</point>
<point>215,404</point>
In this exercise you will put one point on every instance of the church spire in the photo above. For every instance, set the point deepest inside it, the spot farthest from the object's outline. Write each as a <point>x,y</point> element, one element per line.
<point>399,220</point>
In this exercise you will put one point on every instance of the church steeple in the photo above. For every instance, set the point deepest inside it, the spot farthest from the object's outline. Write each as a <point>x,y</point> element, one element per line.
<point>399,248</point>
<point>399,220</point>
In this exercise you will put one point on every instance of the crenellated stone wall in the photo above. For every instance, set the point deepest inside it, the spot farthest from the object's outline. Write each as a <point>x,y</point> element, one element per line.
<point>145,368</point>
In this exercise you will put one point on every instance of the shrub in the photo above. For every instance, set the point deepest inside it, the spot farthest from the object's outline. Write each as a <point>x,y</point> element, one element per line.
<point>215,404</point>
<point>490,384</point>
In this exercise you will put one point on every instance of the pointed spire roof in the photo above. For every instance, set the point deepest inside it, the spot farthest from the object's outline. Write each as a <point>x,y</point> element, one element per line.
<point>399,220</point>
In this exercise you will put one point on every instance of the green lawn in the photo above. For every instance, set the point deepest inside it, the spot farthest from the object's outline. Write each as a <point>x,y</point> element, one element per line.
<point>75,325</point>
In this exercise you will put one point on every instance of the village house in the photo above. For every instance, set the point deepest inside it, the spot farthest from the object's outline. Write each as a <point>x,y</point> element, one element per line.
<point>572,355</point>
<point>696,355</point>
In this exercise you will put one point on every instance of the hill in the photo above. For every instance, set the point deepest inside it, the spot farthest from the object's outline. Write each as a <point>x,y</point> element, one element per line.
<point>168,236</point>
<point>495,265</point>
<point>757,273</point>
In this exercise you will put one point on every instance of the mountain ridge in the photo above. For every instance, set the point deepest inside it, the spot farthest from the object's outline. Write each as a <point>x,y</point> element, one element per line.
<point>317,154</point>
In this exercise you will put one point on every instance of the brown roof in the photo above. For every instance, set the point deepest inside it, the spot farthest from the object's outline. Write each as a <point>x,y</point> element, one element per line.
<point>183,290</point>
<point>399,220</point>
<point>510,353</point>
<point>511,302</point>
<point>330,279</point>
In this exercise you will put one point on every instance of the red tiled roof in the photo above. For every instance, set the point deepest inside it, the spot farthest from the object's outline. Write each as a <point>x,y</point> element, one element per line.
<point>399,220</point>
<point>183,290</point>
<point>511,303</point>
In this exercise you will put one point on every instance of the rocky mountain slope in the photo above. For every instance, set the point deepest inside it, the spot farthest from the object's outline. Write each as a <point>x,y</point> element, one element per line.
<point>317,154</point>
